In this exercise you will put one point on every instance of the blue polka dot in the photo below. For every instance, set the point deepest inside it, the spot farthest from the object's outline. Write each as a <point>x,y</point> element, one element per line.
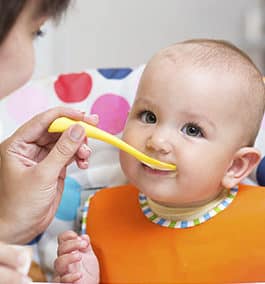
<point>115,73</point>
<point>70,200</point>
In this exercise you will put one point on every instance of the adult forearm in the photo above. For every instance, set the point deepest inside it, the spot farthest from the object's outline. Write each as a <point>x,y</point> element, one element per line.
<point>15,233</point>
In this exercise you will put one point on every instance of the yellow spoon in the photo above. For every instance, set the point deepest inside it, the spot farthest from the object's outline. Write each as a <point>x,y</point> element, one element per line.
<point>62,123</point>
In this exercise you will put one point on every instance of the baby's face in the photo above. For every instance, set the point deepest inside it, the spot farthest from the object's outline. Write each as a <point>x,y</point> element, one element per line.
<point>186,117</point>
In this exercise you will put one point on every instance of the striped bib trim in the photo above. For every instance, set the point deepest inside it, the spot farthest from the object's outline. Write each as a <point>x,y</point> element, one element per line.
<point>224,203</point>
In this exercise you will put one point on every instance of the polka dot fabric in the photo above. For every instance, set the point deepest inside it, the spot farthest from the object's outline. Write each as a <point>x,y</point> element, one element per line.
<point>72,88</point>
<point>106,92</point>
<point>112,110</point>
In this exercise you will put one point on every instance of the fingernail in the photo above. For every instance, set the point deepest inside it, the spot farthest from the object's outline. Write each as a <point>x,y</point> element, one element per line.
<point>85,165</point>
<point>86,148</point>
<point>83,244</point>
<point>94,118</point>
<point>76,132</point>
<point>81,111</point>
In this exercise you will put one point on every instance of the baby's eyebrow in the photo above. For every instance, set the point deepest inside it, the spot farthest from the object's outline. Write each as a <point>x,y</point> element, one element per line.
<point>144,101</point>
<point>198,117</point>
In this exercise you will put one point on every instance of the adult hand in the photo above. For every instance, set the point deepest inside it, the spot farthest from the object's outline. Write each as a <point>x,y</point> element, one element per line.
<point>32,172</point>
<point>12,261</point>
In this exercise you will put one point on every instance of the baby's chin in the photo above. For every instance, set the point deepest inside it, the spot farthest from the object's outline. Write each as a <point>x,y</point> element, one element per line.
<point>169,199</point>
<point>159,196</point>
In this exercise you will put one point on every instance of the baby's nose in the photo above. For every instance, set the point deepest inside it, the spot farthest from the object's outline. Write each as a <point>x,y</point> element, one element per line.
<point>159,143</point>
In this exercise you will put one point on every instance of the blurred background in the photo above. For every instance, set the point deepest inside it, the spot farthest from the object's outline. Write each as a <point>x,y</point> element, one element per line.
<point>122,33</point>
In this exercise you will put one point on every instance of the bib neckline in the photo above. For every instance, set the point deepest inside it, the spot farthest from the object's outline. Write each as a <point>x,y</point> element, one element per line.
<point>187,222</point>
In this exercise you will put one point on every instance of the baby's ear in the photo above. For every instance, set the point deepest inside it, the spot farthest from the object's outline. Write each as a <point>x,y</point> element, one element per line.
<point>244,161</point>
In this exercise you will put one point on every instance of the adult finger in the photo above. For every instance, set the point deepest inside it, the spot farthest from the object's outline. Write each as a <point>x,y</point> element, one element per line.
<point>65,148</point>
<point>83,152</point>
<point>8,275</point>
<point>34,128</point>
<point>12,256</point>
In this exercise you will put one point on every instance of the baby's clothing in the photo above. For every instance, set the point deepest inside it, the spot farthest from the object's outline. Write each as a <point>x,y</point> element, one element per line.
<point>133,247</point>
<point>191,216</point>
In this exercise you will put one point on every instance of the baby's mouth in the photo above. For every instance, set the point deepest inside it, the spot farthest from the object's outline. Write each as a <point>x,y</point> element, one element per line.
<point>156,171</point>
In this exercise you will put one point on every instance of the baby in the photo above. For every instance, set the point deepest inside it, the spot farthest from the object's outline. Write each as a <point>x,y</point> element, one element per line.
<point>199,105</point>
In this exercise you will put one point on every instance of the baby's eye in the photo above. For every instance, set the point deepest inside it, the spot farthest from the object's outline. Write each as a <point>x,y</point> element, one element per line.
<point>192,129</point>
<point>147,117</point>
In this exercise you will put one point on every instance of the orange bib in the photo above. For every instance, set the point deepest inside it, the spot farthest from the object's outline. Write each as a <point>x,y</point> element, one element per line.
<point>229,247</point>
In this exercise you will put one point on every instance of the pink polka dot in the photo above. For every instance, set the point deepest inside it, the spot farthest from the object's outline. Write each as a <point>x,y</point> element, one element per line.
<point>113,111</point>
<point>25,103</point>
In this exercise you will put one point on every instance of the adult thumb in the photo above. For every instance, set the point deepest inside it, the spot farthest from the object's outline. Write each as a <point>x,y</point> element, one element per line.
<point>64,149</point>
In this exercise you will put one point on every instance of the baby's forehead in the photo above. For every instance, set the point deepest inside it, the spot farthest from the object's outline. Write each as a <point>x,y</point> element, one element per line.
<point>222,67</point>
<point>184,71</point>
<point>209,55</point>
<point>220,59</point>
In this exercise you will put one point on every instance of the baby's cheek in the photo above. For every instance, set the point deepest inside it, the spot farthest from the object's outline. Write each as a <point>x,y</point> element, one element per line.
<point>128,163</point>
<point>123,160</point>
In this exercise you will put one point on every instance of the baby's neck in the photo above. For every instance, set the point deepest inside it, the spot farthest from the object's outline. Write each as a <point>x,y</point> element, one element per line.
<point>180,213</point>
